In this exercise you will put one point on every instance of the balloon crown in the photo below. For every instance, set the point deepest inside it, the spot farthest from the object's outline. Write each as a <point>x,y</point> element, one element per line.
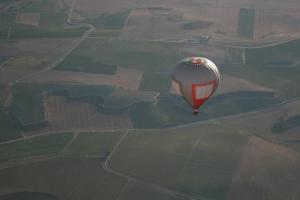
<point>196,61</point>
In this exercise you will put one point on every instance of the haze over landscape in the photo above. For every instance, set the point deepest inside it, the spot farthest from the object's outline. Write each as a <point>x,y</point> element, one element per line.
<point>88,109</point>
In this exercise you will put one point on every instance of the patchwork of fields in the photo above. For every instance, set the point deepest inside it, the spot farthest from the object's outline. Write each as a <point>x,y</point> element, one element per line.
<point>88,109</point>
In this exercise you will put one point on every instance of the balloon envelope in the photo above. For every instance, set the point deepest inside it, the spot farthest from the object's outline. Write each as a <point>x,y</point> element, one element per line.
<point>198,79</point>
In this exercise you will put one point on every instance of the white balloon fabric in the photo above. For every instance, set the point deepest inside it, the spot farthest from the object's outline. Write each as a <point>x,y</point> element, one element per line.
<point>198,79</point>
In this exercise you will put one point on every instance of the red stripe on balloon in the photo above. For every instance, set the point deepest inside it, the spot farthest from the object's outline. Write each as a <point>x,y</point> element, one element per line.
<point>198,102</point>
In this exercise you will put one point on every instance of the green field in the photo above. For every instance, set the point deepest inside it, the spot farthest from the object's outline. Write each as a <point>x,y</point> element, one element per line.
<point>28,107</point>
<point>197,25</point>
<point>82,91</point>
<point>98,144</point>
<point>28,196</point>
<point>52,22</point>
<point>21,31</point>
<point>135,191</point>
<point>107,33</point>
<point>284,81</point>
<point>36,146</point>
<point>68,179</point>
<point>40,6</point>
<point>87,64</point>
<point>9,130</point>
<point>74,179</point>
<point>145,109</point>
<point>6,21</point>
<point>145,56</point>
<point>158,82</point>
<point>246,22</point>
<point>108,25</point>
<point>147,115</point>
<point>109,20</point>
<point>3,59</point>
<point>3,95</point>
<point>195,160</point>
<point>27,104</point>
<point>282,125</point>
<point>171,110</point>
<point>281,55</point>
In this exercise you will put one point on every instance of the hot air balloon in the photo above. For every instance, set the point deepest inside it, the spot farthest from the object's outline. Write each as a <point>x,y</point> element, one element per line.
<point>198,79</point>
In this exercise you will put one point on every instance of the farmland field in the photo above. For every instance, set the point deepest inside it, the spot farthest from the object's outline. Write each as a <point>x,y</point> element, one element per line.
<point>9,129</point>
<point>80,115</point>
<point>27,104</point>
<point>172,110</point>
<point>280,160</point>
<point>65,179</point>
<point>33,53</point>
<point>281,55</point>
<point>89,110</point>
<point>37,146</point>
<point>86,64</point>
<point>51,23</point>
<point>3,59</point>
<point>145,56</point>
<point>155,82</point>
<point>267,124</point>
<point>138,191</point>
<point>109,20</point>
<point>282,125</point>
<point>276,78</point>
<point>93,143</point>
<point>3,95</point>
<point>126,78</point>
<point>29,195</point>
<point>40,6</point>
<point>183,152</point>
<point>246,23</point>
<point>33,104</point>
<point>121,98</point>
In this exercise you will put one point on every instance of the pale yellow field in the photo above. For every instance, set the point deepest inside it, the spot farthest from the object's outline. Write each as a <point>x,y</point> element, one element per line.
<point>262,169</point>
